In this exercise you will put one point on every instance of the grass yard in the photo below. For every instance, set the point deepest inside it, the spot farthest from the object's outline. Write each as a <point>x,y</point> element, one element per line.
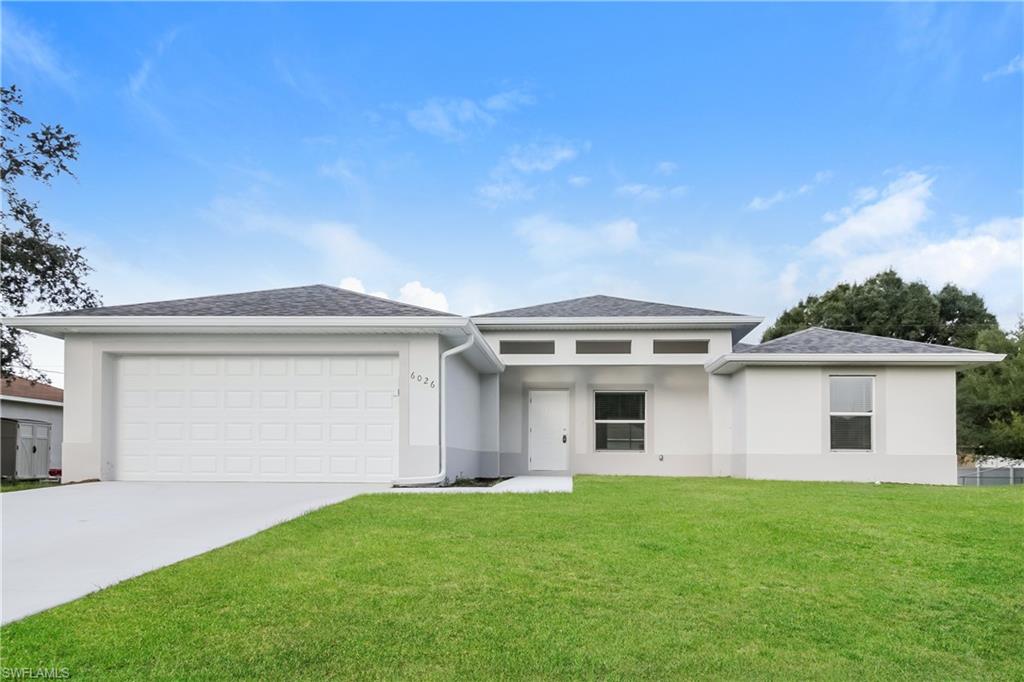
<point>625,578</point>
<point>7,486</point>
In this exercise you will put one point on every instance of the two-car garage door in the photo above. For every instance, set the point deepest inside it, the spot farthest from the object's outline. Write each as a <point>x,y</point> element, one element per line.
<point>257,418</point>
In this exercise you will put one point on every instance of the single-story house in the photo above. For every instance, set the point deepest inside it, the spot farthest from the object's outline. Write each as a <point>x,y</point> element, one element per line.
<point>319,383</point>
<point>31,428</point>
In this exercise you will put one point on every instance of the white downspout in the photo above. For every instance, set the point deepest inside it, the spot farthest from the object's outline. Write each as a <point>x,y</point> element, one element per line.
<point>440,476</point>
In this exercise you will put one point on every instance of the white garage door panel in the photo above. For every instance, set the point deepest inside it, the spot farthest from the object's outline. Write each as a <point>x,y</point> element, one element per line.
<point>258,418</point>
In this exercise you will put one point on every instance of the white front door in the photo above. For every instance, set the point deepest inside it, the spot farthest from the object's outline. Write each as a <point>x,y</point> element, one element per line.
<point>548,445</point>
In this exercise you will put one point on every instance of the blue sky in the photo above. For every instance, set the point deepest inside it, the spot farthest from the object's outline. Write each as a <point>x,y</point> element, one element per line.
<point>477,157</point>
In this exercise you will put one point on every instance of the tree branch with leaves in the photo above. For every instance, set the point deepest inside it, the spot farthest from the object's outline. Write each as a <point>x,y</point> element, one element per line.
<point>40,271</point>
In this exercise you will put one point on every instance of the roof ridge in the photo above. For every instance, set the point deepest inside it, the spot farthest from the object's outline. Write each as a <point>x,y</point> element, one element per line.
<point>786,336</point>
<point>301,300</point>
<point>895,338</point>
<point>944,347</point>
<point>669,309</point>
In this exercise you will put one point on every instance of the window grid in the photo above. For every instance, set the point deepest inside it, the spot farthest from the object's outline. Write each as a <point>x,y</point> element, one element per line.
<point>642,423</point>
<point>851,415</point>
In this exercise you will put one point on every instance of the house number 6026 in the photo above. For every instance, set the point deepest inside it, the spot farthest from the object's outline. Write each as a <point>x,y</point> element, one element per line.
<point>427,381</point>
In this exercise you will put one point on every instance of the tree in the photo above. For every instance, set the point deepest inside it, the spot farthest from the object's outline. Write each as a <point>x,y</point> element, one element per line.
<point>990,398</point>
<point>40,270</point>
<point>886,305</point>
<point>963,317</point>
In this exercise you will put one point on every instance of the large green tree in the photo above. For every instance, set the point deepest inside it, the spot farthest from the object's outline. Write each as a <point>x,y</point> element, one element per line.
<point>40,270</point>
<point>887,305</point>
<point>990,398</point>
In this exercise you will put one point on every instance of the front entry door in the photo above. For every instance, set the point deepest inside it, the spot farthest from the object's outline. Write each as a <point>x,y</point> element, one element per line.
<point>549,430</point>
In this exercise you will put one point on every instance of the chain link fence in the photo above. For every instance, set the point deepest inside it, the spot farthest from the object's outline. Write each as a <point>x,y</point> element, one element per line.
<point>979,476</point>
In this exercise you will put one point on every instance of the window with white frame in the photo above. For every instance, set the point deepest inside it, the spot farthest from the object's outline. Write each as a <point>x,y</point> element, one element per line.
<point>620,420</point>
<point>851,407</point>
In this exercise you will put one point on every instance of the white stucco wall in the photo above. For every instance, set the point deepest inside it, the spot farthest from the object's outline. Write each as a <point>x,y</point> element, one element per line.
<point>88,391</point>
<point>782,426</point>
<point>678,433</point>
<point>53,414</point>
<point>462,410</point>
<point>471,420</point>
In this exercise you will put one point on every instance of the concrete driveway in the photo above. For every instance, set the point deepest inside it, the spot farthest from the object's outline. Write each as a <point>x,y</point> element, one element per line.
<point>64,542</point>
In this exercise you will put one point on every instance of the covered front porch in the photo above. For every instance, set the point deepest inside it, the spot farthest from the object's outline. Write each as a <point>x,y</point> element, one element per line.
<point>605,419</point>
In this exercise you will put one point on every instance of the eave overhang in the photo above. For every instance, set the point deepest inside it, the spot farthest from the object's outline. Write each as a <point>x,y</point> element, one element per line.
<point>733,362</point>
<point>740,325</point>
<point>456,328</point>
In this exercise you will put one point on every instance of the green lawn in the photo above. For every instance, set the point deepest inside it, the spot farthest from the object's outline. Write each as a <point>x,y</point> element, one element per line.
<point>625,578</point>
<point>14,486</point>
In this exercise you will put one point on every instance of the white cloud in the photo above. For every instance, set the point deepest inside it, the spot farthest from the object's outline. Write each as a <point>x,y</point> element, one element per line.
<point>970,259</point>
<point>902,207</point>
<point>353,284</point>
<point>343,246</point>
<point>639,190</point>
<point>510,100</point>
<point>415,293</point>
<point>539,158</point>
<point>140,78</point>
<point>506,183</point>
<point>27,49</point>
<point>340,245</point>
<point>304,81</point>
<point>860,196</point>
<point>449,119</point>
<point>1015,65</point>
<point>666,167</point>
<point>473,296</point>
<point>555,241</point>
<point>763,203</point>
<point>721,273</point>
<point>885,229</point>
<point>341,170</point>
<point>619,234</point>
<point>864,194</point>
<point>579,180</point>
<point>503,191</point>
<point>787,281</point>
<point>453,118</point>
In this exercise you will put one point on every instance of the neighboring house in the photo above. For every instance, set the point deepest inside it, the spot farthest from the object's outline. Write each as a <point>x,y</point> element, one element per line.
<point>31,428</point>
<point>322,384</point>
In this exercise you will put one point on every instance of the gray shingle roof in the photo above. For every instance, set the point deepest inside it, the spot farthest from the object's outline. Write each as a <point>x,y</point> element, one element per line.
<point>603,306</point>
<point>818,340</point>
<point>307,301</point>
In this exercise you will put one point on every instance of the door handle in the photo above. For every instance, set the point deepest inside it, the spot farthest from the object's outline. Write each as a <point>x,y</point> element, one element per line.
<point>564,439</point>
<point>34,447</point>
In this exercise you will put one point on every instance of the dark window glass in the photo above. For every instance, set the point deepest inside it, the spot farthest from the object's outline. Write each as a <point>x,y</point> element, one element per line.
<point>851,433</point>
<point>680,346</point>
<point>603,346</point>
<point>619,406</point>
<point>527,347</point>
<point>620,436</point>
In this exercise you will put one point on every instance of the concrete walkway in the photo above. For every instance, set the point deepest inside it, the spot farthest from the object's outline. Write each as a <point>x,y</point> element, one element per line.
<point>518,484</point>
<point>64,542</point>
